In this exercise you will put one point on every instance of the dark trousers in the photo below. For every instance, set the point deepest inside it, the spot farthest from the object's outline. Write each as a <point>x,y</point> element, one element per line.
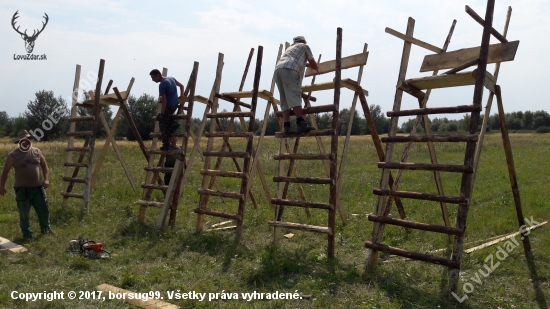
<point>165,123</point>
<point>35,197</point>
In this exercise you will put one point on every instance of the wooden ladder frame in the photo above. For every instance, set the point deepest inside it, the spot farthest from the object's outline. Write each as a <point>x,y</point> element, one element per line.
<point>250,155</point>
<point>474,142</point>
<point>71,175</point>
<point>330,160</point>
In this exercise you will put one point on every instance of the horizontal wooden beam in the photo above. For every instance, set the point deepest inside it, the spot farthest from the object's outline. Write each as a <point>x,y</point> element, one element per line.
<point>435,110</point>
<point>217,214</point>
<point>462,67</point>
<point>417,225</point>
<point>224,174</point>
<point>426,167</point>
<point>318,181</point>
<point>414,41</point>
<point>233,195</point>
<point>431,138</point>
<point>413,255</point>
<point>422,196</point>
<point>346,63</point>
<point>75,179</point>
<point>150,203</point>
<point>304,156</point>
<point>306,204</point>
<point>311,110</point>
<point>324,132</point>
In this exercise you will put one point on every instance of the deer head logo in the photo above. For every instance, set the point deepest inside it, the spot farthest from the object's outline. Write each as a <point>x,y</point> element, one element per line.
<point>29,40</point>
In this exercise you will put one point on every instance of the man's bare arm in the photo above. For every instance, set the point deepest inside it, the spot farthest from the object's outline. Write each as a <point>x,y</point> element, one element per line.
<point>180,85</point>
<point>5,172</point>
<point>45,171</point>
<point>312,64</point>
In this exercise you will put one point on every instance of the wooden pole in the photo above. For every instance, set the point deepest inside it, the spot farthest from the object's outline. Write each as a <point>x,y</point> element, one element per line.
<point>87,186</point>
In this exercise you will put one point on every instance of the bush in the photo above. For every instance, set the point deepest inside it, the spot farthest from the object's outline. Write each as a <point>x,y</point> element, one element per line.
<point>543,129</point>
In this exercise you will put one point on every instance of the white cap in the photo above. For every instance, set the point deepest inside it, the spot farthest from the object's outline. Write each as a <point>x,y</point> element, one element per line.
<point>299,39</point>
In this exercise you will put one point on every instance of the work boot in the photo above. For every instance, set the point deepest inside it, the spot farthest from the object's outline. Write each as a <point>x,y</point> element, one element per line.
<point>286,128</point>
<point>48,231</point>
<point>302,125</point>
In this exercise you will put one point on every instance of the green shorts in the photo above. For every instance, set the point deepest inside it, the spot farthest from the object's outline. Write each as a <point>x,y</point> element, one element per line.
<point>290,88</point>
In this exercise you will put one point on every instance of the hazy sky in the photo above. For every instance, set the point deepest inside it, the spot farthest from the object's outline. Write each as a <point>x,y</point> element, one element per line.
<point>136,36</point>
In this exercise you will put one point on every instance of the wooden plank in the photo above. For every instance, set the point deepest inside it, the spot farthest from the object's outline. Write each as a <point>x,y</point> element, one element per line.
<point>318,87</point>
<point>462,67</point>
<point>497,53</point>
<point>10,246</point>
<point>324,132</point>
<point>233,195</point>
<point>229,114</point>
<point>75,179</point>
<point>431,138</point>
<point>413,255</point>
<point>312,110</point>
<point>421,196</point>
<point>444,81</point>
<point>155,187</point>
<point>286,202</point>
<point>417,225</point>
<point>301,227</point>
<point>149,304</point>
<point>225,228</point>
<point>318,181</point>
<point>346,63</point>
<point>304,156</point>
<point>435,110</point>
<point>218,173</point>
<point>150,203</point>
<point>217,214</point>
<point>417,42</point>
<point>426,167</point>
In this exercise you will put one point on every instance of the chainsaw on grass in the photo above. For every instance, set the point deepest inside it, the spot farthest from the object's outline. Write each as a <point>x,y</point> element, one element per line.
<point>90,249</point>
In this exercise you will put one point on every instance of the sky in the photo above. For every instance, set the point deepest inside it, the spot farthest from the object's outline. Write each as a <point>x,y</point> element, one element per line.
<point>134,37</point>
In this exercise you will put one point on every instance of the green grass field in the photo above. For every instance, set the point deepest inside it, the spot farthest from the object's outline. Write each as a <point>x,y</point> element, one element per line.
<point>180,260</point>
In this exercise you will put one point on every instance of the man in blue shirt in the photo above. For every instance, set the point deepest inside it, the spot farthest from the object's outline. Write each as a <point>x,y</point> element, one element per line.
<point>169,100</point>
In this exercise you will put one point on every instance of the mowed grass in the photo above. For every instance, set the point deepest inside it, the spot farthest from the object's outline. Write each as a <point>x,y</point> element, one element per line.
<point>179,259</point>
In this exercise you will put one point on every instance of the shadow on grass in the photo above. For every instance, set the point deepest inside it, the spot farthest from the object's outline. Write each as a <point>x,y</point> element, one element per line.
<point>539,294</point>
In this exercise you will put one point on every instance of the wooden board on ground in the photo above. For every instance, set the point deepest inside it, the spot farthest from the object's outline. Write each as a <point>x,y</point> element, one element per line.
<point>10,246</point>
<point>149,304</point>
<point>225,228</point>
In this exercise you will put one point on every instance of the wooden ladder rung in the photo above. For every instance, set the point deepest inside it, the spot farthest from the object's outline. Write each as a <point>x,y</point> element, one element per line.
<point>413,255</point>
<point>151,135</point>
<point>422,196</point>
<point>229,134</point>
<point>76,164</point>
<point>159,169</point>
<point>233,100</point>
<point>304,156</point>
<point>436,110</point>
<point>417,225</point>
<point>75,195</point>
<point>319,181</point>
<point>82,133</point>
<point>431,138</point>
<point>302,227</point>
<point>154,187</point>
<point>229,114</point>
<point>226,154</point>
<point>234,195</point>
<point>174,117</point>
<point>81,149</point>
<point>217,214</point>
<point>82,118</point>
<point>218,173</point>
<point>276,201</point>
<point>312,110</point>
<point>166,152</point>
<point>75,179</point>
<point>324,132</point>
<point>426,167</point>
<point>150,203</point>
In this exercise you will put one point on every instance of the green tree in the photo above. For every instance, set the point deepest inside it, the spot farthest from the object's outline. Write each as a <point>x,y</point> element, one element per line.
<point>47,116</point>
<point>142,110</point>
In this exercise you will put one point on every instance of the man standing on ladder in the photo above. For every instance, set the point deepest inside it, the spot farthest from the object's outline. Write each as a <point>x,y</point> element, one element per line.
<point>29,188</point>
<point>288,76</point>
<point>168,96</point>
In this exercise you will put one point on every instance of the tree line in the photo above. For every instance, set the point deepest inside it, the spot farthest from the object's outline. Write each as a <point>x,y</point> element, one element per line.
<point>47,117</point>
